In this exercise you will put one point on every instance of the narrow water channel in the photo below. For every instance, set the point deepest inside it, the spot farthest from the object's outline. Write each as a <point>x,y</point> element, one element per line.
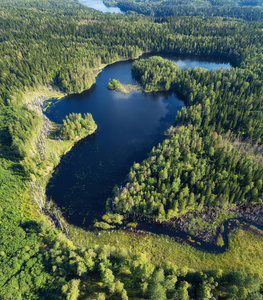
<point>129,125</point>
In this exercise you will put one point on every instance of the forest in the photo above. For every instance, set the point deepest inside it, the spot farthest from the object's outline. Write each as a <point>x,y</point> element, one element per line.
<point>75,126</point>
<point>211,157</point>
<point>243,9</point>
<point>189,171</point>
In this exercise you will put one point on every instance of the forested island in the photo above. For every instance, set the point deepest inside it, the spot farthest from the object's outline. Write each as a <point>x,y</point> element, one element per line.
<point>116,85</point>
<point>206,171</point>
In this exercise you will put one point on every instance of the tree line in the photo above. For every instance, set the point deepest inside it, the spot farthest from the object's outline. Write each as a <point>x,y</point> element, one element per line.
<point>187,172</point>
<point>247,10</point>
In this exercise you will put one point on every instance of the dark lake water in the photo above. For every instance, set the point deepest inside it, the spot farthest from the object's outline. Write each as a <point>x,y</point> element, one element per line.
<point>99,5</point>
<point>129,125</point>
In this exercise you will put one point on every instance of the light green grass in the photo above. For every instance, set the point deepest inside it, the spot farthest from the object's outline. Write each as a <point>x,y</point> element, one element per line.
<point>244,252</point>
<point>45,92</point>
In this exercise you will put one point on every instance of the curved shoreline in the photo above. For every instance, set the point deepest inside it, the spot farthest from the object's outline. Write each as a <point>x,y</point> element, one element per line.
<point>97,71</point>
<point>205,57</point>
<point>217,243</point>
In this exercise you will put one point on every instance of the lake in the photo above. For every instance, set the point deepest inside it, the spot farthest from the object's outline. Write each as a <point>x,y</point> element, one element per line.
<point>99,5</point>
<point>129,125</point>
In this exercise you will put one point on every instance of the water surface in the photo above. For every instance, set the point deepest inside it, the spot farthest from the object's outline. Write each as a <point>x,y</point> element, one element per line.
<point>129,125</point>
<point>99,5</point>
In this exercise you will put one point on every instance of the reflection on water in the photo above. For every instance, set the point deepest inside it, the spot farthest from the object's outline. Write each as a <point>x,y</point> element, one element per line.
<point>99,5</point>
<point>129,125</point>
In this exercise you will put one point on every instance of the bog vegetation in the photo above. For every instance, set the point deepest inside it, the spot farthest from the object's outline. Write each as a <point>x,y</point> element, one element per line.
<point>61,43</point>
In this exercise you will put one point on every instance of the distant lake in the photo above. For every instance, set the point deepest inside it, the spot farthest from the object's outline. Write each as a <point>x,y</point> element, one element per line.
<point>99,5</point>
<point>129,125</point>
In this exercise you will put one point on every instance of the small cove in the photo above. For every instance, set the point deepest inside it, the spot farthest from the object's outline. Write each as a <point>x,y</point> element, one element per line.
<point>129,125</point>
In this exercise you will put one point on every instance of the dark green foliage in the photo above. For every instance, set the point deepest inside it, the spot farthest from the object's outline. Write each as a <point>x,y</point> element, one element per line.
<point>75,126</point>
<point>42,4</point>
<point>113,84</point>
<point>159,8</point>
<point>221,101</point>
<point>196,167</point>
<point>75,41</point>
<point>188,171</point>
<point>173,283</point>
<point>18,125</point>
<point>155,73</point>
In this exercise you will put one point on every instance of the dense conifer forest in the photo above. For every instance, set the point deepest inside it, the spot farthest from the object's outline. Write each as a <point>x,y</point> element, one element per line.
<point>211,157</point>
<point>243,9</point>
<point>205,169</point>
